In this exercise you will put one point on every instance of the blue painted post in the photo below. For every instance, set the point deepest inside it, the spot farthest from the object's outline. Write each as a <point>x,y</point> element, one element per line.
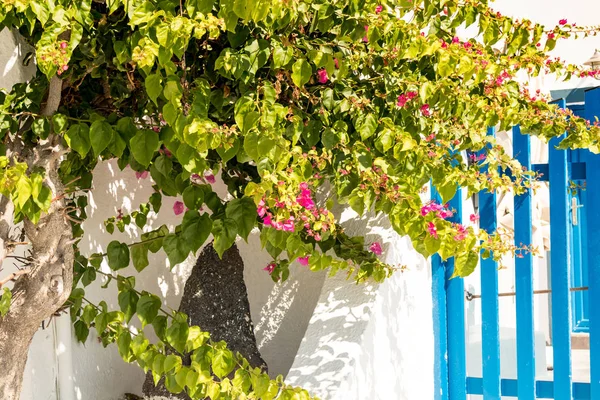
<point>489,300</point>
<point>440,323</point>
<point>455,289</point>
<point>524,277</point>
<point>592,108</point>
<point>560,227</point>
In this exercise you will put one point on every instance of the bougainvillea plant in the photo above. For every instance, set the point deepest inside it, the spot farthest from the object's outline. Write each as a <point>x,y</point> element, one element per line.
<point>280,97</point>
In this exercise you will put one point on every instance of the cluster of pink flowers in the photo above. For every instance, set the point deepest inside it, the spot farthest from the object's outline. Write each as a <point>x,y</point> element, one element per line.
<point>208,177</point>
<point>475,157</point>
<point>441,211</point>
<point>322,75</point>
<point>432,230</point>
<point>405,98</point>
<point>305,198</point>
<point>58,57</point>
<point>287,225</point>
<point>461,233</point>
<point>425,110</point>
<point>474,217</point>
<point>375,248</point>
<point>141,175</point>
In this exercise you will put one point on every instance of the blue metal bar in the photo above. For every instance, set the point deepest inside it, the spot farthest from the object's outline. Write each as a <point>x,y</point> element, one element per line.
<point>560,265</point>
<point>592,110</point>
<point>490,332</point>
<point>577,171</point>
<point>455,308</point>
<point>543,389</point>
<point>440,322</point>
<point>524,277</point>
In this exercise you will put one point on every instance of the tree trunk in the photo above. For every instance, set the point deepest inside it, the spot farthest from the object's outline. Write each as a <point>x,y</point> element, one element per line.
<point>45,284</point>
<point>215,299</point>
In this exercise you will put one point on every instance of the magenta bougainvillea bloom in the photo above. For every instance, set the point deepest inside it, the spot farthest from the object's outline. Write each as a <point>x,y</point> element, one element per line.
<point>141,175</point>
<point>322,75</point>
<point>562,22</point>
<point>375,248</point>
<point>270,268</point>
<point>303,260</point>
<point>425,110</point>
<point>474,217</point>
<point>178,207</point>
<point>432,230</point>
<point>378,9</point>
<point>210,178</point>
<point>461,232</point>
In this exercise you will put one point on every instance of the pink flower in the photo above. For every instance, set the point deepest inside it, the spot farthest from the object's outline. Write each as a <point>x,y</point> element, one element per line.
<point>306,202</point>
<point>432,230</point>
<point>445,214</point>
<point>63,45</point>
<point>425,110</point>
<point>474,217</point>
<point>411,95</point>
<point>141,175</point>
<point>261,209</point>
<point>210,178</point>
<point>267,220</point>
<point>65,67</point>
<point>455,39</point>
<point>270,268</point>
<point>178,207</point>
<point>375,248</point>
<point>195,178</point>
<point>402,100</point>
<point>461,234</point>
<point>317,237</point>
<point>288,226</point>
<point>303,260</point>
<point>166,152</point>
<point>378,9</point>
<point>366,38</point>
<point>303,186</point>
<point>551,35</point>
<point>337,64</point>
<point>562,22</point>
<point>322,75</point>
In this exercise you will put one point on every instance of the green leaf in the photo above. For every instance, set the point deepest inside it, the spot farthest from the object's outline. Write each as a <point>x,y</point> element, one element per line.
<point>193,197</point>
<point>147,308</point>
<point>143,146</point>
<point>172,362</point>
<point>301,72</point>
<point>195,229</point>
<point>259,52</point>
<point>78,138</point>
<point>41,127</point>
<point>5,301</point>
<point>118,255</point>
<point>241,381</point>
<point>225,232</point>
<point>101,134</point>
<point>160,326</point>
<point>243,212</point>
<point>177,335</point>
<point>367,126</point>
<point>177,249</point>
<point>153,87</point>
<point>282,55</point>
<point>124,345</point>
<point>222,362</point>
<point>81,331</point>
<point>139,256</point>
<point>128,300</point>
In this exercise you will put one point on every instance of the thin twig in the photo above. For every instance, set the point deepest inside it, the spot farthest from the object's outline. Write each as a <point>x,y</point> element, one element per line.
<point>14,276</point>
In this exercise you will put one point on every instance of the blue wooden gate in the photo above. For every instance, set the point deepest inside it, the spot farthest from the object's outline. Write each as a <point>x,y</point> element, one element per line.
<point>574,260</point>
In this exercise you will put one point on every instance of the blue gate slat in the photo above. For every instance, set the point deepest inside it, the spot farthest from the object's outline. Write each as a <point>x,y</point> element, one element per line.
<point>524,276</point>
<point>440,322</point>
<point>592,109</point>
<point>577,171</point>
<point>560,262</point>
<point>457,363</point>
<point>490,332</point>
<point>543,389</point>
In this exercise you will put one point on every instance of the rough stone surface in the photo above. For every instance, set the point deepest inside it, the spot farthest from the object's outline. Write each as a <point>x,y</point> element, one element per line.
<point>215,299</point>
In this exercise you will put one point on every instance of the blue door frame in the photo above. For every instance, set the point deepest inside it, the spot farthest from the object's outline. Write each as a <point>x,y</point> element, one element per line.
<point>573,250</point>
